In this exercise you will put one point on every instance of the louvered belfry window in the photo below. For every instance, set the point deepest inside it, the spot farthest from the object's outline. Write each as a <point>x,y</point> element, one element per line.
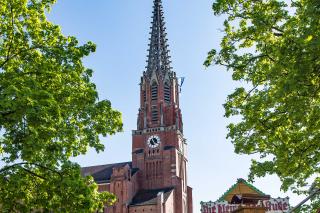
<point>144,96</point>
<point>154,114</point>
<point>154,91</point>
<point>167,93</point>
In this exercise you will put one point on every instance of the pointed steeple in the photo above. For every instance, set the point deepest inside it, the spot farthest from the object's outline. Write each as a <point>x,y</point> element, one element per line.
<point>158,56</point>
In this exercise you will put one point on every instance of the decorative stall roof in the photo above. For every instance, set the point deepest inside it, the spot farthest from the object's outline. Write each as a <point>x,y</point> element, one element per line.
<point>241,187</point>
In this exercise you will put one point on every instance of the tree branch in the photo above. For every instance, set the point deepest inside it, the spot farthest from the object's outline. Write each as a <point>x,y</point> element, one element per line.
<point>12,34</point>
<point>6,113</point>
<point>18,53</point>
<point>33,173</point>
<point>6,168</point>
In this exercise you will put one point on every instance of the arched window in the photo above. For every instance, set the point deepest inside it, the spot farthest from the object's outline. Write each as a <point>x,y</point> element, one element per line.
<point>154,114</point>
<point>154,91</point>
<point>167,92</point>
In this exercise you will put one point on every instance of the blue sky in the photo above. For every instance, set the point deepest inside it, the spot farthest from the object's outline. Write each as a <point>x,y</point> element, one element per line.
<point>120,28</point>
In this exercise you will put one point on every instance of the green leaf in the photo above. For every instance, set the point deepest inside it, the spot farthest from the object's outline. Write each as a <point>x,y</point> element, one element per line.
<point>273,47</point>
<point>49,112</point>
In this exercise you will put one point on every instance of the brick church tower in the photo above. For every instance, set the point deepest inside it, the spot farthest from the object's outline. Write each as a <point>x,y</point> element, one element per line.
<point>158,145</point>
<point>156,179</point>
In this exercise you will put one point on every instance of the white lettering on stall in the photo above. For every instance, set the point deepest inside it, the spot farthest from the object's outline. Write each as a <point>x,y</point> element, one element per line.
<point>273,205</point>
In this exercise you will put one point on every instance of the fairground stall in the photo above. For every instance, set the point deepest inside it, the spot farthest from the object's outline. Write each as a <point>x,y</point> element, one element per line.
<point>243,197</point>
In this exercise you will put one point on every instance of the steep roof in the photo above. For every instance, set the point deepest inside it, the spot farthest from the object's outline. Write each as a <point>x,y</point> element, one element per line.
<point>149,197</point>
<point>102,173</point>
<point>158,53</point>
<point>233,187</point>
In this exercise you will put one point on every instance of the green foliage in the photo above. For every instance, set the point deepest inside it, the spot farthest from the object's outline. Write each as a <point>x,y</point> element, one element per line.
<point>274,47</point>
<point>49,112</point>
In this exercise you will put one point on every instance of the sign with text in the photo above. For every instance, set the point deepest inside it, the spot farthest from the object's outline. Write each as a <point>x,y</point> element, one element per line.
<point>273,205</point>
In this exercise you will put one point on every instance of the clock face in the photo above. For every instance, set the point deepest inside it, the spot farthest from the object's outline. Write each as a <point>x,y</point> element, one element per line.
<point>153,141</point>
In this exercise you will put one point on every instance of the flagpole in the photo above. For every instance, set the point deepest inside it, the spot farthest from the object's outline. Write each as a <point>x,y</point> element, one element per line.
<point>304,201</point>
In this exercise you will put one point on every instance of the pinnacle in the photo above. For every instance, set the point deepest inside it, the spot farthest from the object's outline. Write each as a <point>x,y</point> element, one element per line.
<point>158,53</point>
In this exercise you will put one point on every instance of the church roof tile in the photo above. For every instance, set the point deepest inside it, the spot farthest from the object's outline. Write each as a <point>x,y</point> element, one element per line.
<point>149,197</point>
<point>102,173</point>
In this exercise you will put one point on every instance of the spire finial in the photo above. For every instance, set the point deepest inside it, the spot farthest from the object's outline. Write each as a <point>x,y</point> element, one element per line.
<point>158,56</point>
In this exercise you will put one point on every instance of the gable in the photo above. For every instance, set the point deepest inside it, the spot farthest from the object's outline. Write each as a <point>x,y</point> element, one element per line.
<point>240,188</point>
<point>102,173</point>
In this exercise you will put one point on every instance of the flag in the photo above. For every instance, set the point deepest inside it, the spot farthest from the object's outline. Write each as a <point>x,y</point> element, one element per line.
<point>180,81</point>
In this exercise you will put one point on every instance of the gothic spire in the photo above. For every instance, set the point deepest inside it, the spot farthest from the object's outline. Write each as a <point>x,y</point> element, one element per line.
<point>158,54</point>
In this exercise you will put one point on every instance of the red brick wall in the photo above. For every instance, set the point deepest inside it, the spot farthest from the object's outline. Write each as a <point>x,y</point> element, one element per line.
<point>168,164</point>
<point>143,209</point>
<point>168,109</point>
<point>104,187</point>
<point>124,186</point>
<point>190,203</point>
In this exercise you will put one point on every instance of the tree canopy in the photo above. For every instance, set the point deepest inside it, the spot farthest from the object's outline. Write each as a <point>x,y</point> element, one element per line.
<point>49,112</point>
<point>273,47</point>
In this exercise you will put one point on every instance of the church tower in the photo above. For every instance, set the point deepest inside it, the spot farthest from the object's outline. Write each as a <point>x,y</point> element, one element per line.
<point>156,179</point>
<point>158,144</point>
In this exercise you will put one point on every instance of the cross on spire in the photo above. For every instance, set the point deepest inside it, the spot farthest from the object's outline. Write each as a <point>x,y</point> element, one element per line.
<point>158,53</point>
